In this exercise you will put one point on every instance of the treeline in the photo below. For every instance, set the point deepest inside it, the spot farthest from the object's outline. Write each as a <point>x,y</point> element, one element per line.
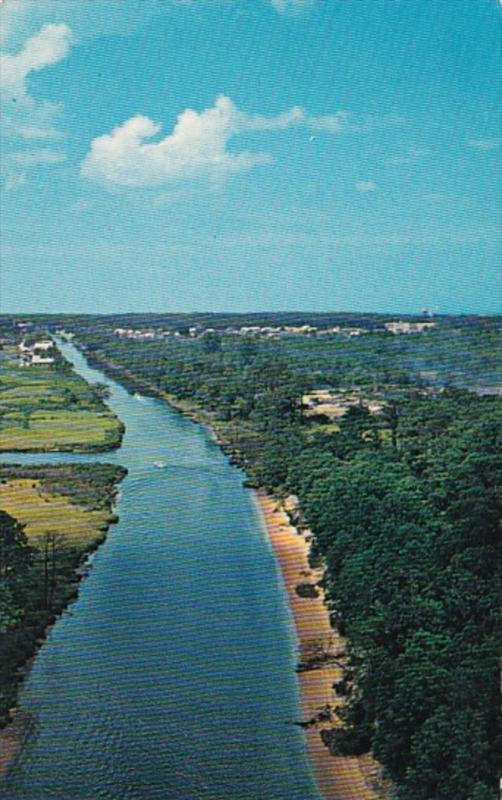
<point>411,539</point>
<point>38,575</point>
<point>404,506</point>
<point>462,352</point>
<point>217,320</point>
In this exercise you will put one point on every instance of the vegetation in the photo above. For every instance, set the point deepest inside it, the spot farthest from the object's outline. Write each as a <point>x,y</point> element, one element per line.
<point>51,518</point>
<point>50,407</point>
<point>404,505</point>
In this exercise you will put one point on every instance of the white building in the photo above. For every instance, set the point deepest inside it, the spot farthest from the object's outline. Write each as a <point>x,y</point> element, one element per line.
<point>43,344</point>
<point>36,353</point>
<point>408,327</point>
<point>36,359</point>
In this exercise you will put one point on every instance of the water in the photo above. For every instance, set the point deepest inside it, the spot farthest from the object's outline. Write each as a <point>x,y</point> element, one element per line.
<point>173,676</point>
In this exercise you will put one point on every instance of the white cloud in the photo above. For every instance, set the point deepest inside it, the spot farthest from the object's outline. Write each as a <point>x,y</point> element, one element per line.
<point>410,156</point>
<point>33,158</point>
<point>331,123</point>
<point>16,165</point>
<point>291,5</point>
<point>485,144</point>
<point>24,115</point>
<point>80,205</point>
<point>13,180</point>
<point>25,118</point>
<point>91,18</point>
<point>197,146</point>
<point>373,123</point>
<point>50,45</point>
<point>13,13</point>
<point>365,186</point>
<point>86,18</point>
<point>293,116</point>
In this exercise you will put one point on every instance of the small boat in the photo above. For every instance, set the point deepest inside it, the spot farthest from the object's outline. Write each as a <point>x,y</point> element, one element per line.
<point>160,464</point>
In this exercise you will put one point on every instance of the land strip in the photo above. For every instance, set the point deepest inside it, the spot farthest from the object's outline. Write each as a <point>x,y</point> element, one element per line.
<point>48,407</point>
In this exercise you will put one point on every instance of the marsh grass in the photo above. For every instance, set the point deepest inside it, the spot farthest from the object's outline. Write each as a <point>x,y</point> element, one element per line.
<point>51,408</point>
<point>64,512</point>
<point>43,512</point>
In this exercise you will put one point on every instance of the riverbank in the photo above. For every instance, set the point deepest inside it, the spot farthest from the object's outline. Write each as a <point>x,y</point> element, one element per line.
<point>133,384</point>
<point>52,518</point>
<point>84,449</point>
<point>338,778</point>
<point>321,653</point>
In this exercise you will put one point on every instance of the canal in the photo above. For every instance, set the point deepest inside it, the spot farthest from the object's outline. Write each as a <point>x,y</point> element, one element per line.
<point>173,675</point>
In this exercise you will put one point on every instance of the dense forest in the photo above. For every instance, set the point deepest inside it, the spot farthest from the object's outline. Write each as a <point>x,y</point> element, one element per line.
<point>401,488</point>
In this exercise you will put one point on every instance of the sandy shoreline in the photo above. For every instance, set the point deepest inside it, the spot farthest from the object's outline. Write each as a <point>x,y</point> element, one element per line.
<point>338,778</point>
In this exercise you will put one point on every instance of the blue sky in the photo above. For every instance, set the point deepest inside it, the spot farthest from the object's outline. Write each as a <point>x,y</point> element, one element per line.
<point>179,155</point>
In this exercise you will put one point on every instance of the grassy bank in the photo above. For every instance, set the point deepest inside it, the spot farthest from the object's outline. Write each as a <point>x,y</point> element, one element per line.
<point>46,408</point>
<point>51,518</point>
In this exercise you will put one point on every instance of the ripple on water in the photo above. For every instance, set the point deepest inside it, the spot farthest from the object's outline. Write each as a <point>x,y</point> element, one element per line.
<point>173,679</point>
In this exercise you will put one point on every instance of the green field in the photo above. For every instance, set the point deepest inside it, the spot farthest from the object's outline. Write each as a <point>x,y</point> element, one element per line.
<point>51,408</point>
<point>42,512</point>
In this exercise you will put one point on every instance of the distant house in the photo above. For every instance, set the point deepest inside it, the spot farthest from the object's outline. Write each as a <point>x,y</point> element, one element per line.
<point>354,331</point>
<point>139,333</point>
<point>36,353</point>
<point>332,404</point>
<point>400,326</point>
<point>299,329</point>
<point>36,359</point>
<point>43,344</point>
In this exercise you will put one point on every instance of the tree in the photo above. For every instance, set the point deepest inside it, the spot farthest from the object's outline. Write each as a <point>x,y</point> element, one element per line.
<point>15,559</point>
<point>392,417</point>
<point>101,390</point>
<point>211,342</point>
<point>51,554</point>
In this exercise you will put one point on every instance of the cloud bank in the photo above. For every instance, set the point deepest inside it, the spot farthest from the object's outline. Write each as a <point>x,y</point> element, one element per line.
<point>197,146</point>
